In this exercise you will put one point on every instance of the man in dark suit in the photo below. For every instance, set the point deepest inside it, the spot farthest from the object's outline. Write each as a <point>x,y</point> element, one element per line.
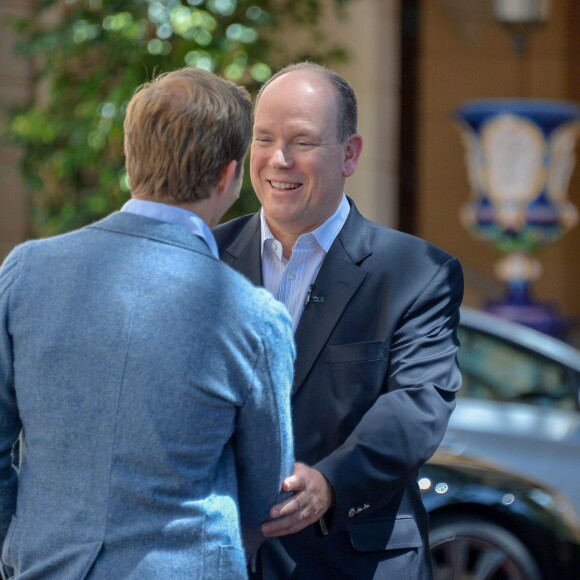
<point>375,314</point>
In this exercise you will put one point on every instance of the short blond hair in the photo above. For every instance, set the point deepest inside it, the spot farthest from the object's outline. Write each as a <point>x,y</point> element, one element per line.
<point>181,130</point>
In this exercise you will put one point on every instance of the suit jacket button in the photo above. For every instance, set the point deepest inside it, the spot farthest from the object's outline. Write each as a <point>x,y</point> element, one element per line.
<point>351,512</point>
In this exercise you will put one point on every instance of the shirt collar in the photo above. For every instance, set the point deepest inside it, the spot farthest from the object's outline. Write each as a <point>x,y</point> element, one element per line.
<point>173,215</point>
<point>324,234</point>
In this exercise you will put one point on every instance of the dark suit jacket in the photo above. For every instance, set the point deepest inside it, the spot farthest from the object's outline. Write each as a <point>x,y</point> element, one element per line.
<point>375,383</point>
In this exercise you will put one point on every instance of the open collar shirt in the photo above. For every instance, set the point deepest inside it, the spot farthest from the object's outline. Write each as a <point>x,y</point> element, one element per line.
<point>292,281</point>
<point>173,215</point>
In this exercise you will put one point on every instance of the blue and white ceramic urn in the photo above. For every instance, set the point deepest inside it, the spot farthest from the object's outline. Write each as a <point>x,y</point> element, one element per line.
<point>520,155</point>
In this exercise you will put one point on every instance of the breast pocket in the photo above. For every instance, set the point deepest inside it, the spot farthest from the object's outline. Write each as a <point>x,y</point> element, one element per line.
<point>375,350</point>
<point>356,373</point>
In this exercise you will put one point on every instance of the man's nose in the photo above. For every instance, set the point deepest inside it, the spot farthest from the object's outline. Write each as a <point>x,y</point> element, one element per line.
<point>281,158</point>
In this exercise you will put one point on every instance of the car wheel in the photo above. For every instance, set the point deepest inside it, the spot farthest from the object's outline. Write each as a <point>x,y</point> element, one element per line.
<point>478,549</point>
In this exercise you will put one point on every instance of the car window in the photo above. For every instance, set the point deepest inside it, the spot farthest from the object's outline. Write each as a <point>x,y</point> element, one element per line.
<point>496,369</point>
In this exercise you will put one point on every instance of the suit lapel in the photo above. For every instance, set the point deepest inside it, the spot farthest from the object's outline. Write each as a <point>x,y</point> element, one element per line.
<point>338,280</point>
<point>244,253</point>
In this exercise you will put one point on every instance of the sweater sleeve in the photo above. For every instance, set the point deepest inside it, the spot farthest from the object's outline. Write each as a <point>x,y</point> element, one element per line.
<point>264,441</point>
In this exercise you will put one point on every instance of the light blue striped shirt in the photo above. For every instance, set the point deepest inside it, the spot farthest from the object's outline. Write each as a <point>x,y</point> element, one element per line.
<point>173,215</point>
<point>290,280</point>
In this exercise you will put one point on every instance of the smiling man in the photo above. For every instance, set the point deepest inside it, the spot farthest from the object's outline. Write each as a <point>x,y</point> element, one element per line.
<point>298,163</point>
<point>375,314</point>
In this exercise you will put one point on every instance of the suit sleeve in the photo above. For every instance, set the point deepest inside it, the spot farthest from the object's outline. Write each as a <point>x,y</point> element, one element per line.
<point>264,441</point>
<point>407,422</point>
<point>9,419</point>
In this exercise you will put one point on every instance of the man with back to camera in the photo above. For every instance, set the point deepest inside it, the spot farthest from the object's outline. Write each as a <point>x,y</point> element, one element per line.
<point>141,375</point>
<point>375,313</point>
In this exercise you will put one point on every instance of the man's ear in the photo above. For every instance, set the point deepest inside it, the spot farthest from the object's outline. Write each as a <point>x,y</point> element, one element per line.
<point>352,153</point>
<point>226,176</point>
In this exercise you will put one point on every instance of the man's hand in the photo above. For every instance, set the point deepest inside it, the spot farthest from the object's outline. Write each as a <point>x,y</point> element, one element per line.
<point>313,495</point>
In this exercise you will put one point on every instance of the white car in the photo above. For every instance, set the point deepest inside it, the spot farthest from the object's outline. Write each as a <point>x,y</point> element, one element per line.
<point>519,406</point>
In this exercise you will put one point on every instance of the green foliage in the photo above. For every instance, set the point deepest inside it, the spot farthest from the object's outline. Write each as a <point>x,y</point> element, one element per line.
<point>89,57</point>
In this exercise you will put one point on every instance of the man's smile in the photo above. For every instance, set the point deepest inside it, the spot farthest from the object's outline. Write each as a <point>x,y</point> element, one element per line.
<point>283,185</point>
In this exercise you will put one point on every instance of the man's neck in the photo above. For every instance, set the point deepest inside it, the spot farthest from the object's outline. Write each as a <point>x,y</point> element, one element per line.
<point>288,243</point>
<point>200,208</point>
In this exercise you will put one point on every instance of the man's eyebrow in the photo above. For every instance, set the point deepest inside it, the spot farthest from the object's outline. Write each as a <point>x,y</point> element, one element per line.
<point>259,129</point>
<point>296,133</point>
<point>302,132</point>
